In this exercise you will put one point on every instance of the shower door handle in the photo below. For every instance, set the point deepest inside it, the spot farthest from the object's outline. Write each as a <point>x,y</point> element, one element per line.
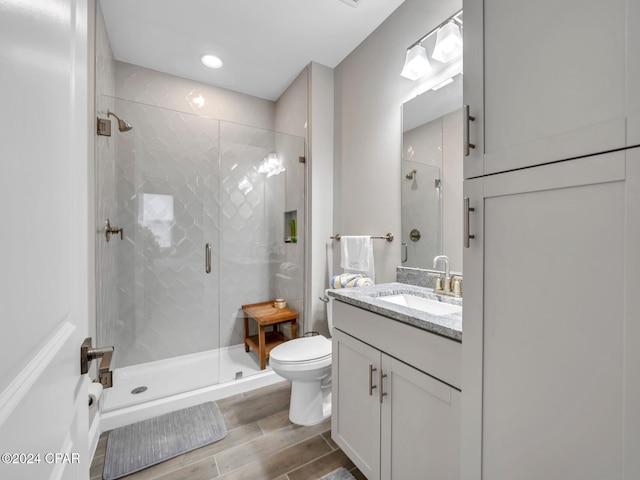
<point>207,258</point>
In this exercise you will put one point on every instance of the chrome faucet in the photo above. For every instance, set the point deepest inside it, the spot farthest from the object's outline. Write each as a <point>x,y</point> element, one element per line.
<point>444,286</point>
<point>446,263</point>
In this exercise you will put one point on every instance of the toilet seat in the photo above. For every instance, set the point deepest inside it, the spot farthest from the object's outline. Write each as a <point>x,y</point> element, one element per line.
<point>302,350</point>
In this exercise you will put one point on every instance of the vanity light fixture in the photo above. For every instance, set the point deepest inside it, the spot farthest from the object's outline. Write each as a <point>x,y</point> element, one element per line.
<point>448,43</point>
<point>416,63</point>
<point>448,46</point>
<point>210,60</point>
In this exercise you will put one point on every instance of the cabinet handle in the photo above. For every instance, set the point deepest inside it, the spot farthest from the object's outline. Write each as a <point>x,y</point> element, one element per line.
<point>405,257</point>
<point>382,393</point>
<point>467,118</point>
<point>371,385</point>
<point>207,258</point>
<point>467,236</point>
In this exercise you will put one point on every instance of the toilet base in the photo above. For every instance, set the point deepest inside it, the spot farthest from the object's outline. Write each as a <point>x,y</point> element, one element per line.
<point>310,402</point>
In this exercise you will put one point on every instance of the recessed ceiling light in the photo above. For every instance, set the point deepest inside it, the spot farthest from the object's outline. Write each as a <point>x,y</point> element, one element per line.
<point>210,60</point>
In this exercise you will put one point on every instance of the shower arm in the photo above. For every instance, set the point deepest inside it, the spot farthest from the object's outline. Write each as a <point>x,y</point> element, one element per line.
<point>123,125</point>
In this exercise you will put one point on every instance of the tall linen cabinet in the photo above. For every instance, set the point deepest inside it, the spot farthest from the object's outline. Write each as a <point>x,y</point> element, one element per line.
<point>551,363</point>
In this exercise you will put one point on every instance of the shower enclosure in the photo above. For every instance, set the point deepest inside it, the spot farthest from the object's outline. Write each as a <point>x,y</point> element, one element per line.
<point>421,207</point>
<point>212,217</point>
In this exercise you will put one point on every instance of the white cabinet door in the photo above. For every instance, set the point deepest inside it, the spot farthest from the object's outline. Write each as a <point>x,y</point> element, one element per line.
<point>44,269</point>
<point>420,425</point>
<point>547,80</point>
<point>355,418</point>
<point>549,320</point>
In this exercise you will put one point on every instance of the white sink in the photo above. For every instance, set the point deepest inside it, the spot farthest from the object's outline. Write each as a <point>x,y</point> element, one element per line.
<point>427,305</point>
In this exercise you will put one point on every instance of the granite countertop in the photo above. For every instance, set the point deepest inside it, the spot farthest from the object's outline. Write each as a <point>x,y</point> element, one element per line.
<point>368,298</point>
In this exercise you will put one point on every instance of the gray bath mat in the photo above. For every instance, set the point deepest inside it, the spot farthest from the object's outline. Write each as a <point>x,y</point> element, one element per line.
<point>339,474</point>
<point>140,445</point>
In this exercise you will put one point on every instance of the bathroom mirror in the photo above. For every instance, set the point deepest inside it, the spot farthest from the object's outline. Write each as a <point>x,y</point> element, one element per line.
<point>431,177</point>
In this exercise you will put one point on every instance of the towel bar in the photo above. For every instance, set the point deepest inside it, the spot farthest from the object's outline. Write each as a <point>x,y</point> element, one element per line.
<point>388,237</point>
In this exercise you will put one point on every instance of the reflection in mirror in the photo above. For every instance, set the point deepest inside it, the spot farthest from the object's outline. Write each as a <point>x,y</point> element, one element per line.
<point>431,177</point>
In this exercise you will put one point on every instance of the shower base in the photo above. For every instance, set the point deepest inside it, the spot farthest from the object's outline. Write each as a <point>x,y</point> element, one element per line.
<point>180,382</point>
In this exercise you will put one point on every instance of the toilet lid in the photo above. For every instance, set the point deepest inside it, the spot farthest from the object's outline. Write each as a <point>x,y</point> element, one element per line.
<point>302,349</point>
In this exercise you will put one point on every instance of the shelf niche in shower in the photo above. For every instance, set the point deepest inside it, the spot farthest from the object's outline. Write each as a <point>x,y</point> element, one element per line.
<point>291,226</point>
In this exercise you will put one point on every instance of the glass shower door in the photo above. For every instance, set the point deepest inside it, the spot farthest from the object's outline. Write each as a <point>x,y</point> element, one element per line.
<point>165,280</point>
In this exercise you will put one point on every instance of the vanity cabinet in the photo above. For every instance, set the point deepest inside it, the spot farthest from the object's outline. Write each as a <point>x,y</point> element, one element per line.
<point>550,355</point>
<point>392,419</point>
<point>548,80</point>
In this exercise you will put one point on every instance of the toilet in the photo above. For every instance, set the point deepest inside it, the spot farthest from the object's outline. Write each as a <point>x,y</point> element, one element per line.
<point>306,361</point>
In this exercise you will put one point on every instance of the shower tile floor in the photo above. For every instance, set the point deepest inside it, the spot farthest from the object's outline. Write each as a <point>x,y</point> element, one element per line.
<point>261,444</point>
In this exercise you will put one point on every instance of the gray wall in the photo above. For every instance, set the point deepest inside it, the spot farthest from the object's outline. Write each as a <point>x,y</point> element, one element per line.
<point>306,109</point>
<point>369,92</point>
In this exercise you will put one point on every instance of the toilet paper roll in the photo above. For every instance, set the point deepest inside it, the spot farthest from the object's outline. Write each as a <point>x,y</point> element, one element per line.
<point>95,392</point>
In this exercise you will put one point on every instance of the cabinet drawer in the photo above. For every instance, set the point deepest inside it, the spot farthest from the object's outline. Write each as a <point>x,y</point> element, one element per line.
<point>435,355</point>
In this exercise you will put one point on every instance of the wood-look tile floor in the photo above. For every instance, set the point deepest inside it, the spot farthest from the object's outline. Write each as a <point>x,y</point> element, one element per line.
<point>261,443</point>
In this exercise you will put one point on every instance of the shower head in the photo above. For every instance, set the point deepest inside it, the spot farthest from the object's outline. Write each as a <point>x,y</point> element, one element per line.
<point>411,174</point>
<point>122,125</point>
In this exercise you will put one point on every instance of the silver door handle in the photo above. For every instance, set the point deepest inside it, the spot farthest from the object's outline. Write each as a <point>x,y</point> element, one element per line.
<point>467,236</point>
<point>381,391</point>
<point>89,353</point>
<point>467,118</point>
<point>406,252</point>
<point>207,258</point>
<point>371,385</point>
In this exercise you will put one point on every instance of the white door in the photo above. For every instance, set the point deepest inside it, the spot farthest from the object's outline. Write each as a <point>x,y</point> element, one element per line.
<point>44,272</point>
<point>549,364</point>
<point>420,425</point>
<point>355,416</point>
<point>544,84</point>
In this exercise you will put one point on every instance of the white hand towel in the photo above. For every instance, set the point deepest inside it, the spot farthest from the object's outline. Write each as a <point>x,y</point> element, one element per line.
<point>357,255</point>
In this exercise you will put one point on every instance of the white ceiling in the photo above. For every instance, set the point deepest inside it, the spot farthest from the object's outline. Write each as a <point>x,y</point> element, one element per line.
<point>264,44</point>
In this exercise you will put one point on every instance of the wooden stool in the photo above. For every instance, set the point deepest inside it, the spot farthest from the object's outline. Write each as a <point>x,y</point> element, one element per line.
<point>266,315</point>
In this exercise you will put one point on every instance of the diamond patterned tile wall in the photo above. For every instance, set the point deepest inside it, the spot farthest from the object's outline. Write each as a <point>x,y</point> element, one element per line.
<point>254,254</point>
<point>167,182</point>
